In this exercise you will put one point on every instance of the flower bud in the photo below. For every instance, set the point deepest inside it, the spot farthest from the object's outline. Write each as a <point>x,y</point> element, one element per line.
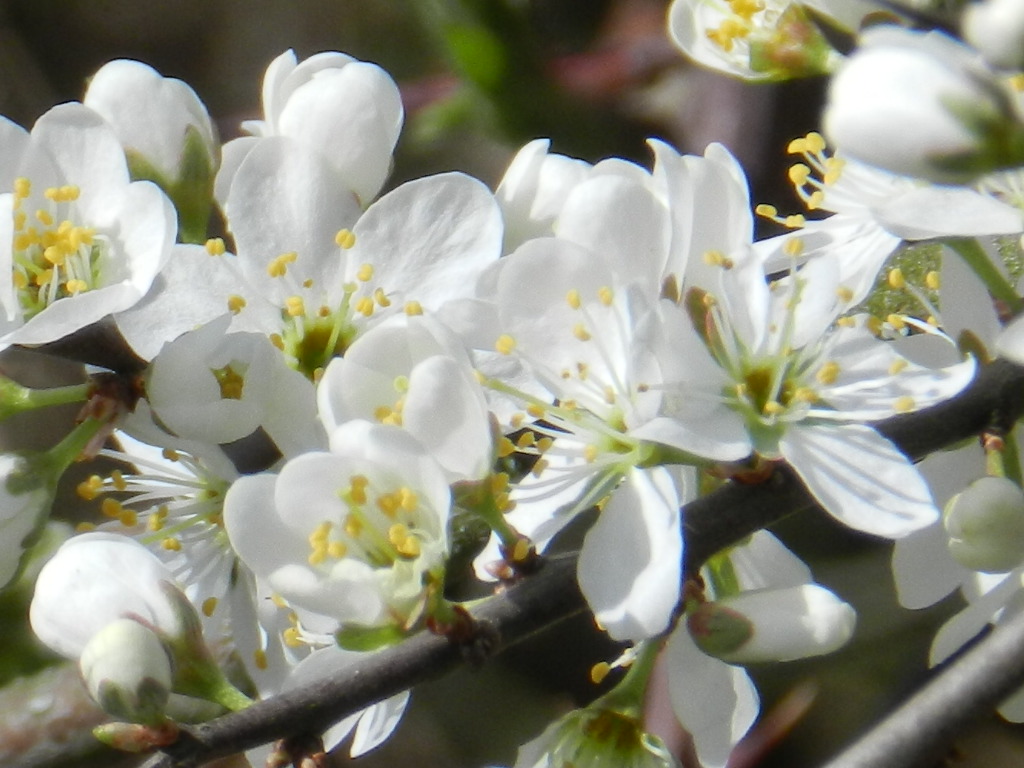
<point>985,524</point>
<point>127,671</point>
<point>996,28</point>
<point>921,104</point>
<point>772,625</point>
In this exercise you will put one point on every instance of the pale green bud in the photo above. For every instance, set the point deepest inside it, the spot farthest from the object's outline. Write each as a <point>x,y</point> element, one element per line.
<point>127,671</point>
<point>985,524</point>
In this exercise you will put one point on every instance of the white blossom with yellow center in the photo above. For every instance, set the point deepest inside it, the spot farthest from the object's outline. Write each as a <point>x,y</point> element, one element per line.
<point>357,534</point>
<point>800,381</point>
<point>78,239</point>
<point>331,271</point>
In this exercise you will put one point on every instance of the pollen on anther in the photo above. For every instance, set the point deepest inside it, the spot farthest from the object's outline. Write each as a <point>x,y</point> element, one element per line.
<point>259,658</point>
<point>345,238</point>
<point>898,365</point>
<point>413,308</point>
<point>236,303</point>
<point>828,373</point>
<point>599,672</point>
<point>896,279</point>
<point>364,273</point>
<point>572,298</point>
<point>767,211</point>
<point>904,404</point>
<point>90,488</point>
<point>933,281</point>
<point>295,306</point>
<point>605,295</point>
<point>844,293</point>
<point>215,246</point>
<point>580,332</point>
<point>171,544</point>
<point>209,606</point>
<point>505,344</point>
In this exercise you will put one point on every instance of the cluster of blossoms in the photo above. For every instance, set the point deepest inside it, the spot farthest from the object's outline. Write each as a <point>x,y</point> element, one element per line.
<point>304,398</point>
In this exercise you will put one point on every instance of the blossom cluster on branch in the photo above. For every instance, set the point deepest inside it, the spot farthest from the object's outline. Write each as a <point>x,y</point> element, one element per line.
<point>314,387</point>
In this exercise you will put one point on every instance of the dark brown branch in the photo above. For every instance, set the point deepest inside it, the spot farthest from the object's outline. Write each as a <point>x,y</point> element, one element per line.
<point>721,519</point>
<point>919,732</point>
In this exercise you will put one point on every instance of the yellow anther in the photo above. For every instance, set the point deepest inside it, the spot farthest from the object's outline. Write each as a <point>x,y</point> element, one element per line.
<point>85,527</point>
<point>846,322</point>
<point>717,259</point>
<point>896,279</point>
<point>353,525</point>
<point>904,404</point>
<point>209,606</point>
<point>795,221</point>
<point>171,544</point>
<point>933,281</point>
<point>526,440</point>
<point>277,340</point>
<point>572,298</point>
<point>609,394</point>
<point>590,453</point>
<point>535,410</point>
<point>599,672</point>
<point>898,366</point>
<point>580,332</point>
<point>345,238</point>
<point>797,146</point>
<point>768,211</point>
<point>896,321</point>
<point>793,247</point>
<point>129,518</point>
<point>746,9</point>
<point>505,344</point>
<point>295,306</point>
<point>605,295</point>
<point>520,550</point>
<point>364,306</point>
<point>828,373</point>
<point>544,444</point>
<point>364,273</point>
<point>381,298</point>
<point>833,170</point>
<point>118,481</point>
<point>90,488</point>
<point>413,308</point>
<point>409,499</point>
<point>799,173</point>
<point>805,395</point>
<point>259,658</point>
<point>278,266</point>
<point>44,218</point>
<point>111,508</point>
<point>236,303</point>
<point>215,246</point>
<point>337,549</point>
<point>815,143</point>
<point>357,489</point>
<point>845,294</point>
<point>773,408</point>
<point>292,638</point>
<point>505,448</point>
<point>22,187</point>
<point>815,200</point>
<point>539,466</point>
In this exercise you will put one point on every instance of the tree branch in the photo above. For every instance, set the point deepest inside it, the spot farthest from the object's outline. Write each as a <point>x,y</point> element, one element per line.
<point>919,732</point>
<point>713,522</point>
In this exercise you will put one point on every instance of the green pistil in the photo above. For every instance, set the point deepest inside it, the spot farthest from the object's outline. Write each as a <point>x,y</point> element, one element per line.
<point>310,343</point>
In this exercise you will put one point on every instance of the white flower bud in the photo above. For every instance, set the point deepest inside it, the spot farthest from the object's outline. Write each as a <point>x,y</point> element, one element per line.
<point>985,524</point>
<point>772,625</point>
<point>922,104</point>
<point>127,671</point>
<point>996,28</point>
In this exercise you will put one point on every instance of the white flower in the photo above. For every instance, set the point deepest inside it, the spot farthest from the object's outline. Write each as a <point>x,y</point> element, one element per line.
<point>760,41</point>
<point>153,116</point>
<point>348,112</point>
<point>78,241</point>
<point>921,104</point>
<point>93,580</point>
<point>412,372</point>
<point>358,535</point>
<point>25,498</point>
<point>218,387</point>
<point>800,387</point>
<point>330,271</point>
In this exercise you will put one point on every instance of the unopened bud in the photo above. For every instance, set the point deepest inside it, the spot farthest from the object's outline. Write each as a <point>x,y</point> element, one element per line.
<point>127,671</point>
<point>772,625</point>
<point>996,29</point>
<point>985,524</point>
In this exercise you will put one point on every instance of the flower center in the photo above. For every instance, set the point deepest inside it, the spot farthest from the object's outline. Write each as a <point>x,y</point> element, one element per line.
<point>54,258</point>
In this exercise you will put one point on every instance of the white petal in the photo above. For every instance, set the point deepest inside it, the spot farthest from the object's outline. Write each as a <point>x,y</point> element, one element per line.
<point>860,478</point>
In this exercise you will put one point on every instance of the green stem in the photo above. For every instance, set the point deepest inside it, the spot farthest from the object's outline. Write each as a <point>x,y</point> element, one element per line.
<point>478,498</point>
<point>64,453</point>
<point>627,697</point>
<point>229,697</point>
<point>15,398</point>
<point>1011,459</point>
<point>970,250</point>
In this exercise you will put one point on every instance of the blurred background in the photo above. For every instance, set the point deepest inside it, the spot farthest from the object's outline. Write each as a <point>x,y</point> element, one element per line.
<point>596,76</point>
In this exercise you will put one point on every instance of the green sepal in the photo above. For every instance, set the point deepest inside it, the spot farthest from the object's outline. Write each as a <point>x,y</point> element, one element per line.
<point>357,638</point>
